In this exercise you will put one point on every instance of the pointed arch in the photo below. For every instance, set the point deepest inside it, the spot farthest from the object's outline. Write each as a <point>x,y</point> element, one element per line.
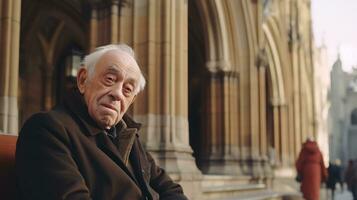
<point>226,47</point>
<point>225,30</point>
<point>271,33</point>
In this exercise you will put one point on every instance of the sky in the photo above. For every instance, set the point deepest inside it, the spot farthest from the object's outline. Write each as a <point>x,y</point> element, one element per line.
<point>335,24</point>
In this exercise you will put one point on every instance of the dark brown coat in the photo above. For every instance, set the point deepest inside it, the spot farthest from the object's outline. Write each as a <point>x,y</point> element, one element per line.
<point>62,154</point>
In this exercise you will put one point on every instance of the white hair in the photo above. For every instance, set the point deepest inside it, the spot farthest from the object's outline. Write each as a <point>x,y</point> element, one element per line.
<point>91,60</point>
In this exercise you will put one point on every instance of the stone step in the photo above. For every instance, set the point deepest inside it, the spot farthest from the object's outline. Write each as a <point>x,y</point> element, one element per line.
<point>221,192</point>
<point>223,186</point>
<point>257,195</point>
<point>263,195</point>
<point>221,180</point>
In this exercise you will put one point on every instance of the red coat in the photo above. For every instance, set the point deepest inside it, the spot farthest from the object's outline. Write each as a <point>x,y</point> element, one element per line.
<point>311,166</point>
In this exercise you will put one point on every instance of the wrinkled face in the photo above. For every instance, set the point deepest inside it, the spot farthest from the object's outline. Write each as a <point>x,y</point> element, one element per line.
<point>110,90</point>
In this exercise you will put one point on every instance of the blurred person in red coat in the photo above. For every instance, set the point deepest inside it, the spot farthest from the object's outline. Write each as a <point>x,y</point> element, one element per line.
<point>311,168</point>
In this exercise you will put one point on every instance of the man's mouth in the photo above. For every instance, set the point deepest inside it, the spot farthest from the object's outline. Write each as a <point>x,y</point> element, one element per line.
<point>111,107</point>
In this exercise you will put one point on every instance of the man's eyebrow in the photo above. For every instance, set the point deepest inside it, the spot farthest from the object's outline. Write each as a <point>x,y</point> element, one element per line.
<point>114,69</point>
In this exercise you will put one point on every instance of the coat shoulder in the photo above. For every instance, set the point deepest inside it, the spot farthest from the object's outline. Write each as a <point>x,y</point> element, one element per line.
<point>40,120</point>
<point>43,123</point>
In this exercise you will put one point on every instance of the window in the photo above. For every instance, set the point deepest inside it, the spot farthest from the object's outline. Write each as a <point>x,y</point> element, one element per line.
<point>354,117</point>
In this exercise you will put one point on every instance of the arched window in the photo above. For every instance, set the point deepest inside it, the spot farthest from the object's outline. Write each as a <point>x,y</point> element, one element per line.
<point>354,117</point>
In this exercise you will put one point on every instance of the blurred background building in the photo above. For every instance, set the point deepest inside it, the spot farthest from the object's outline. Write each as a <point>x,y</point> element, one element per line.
<point>231,91</point>
<point>343,114</point>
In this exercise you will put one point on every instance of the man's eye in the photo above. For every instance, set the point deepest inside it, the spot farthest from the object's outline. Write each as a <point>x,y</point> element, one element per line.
<point>110,79</point>
<point>128,90</point>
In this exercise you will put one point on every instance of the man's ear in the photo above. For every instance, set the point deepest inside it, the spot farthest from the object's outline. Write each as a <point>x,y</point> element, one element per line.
<point>82,76</point>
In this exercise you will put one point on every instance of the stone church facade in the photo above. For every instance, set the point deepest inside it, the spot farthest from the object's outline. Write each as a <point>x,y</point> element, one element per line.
<point>229,93</point>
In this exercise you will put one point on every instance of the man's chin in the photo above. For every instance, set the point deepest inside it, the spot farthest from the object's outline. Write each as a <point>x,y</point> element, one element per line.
<point>106,123</point>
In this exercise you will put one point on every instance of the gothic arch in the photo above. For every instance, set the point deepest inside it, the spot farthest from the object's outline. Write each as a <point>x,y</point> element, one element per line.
<point>271,33</point>
<point>276,90</point>
<point>224,48</point>
<point>225,29</point>
<point>45,36</point>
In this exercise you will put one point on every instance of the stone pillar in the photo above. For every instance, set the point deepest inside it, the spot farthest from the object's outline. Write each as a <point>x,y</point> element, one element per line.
<point>114,20</point>
<point>277,139</point>
<point>220,147</point>
<point>263,140</point>
<point>262,112</point>
<point>114,23</point>
<point>160,41</point>
<point>10,11</point>
<point>291,133</point>
<point>234,120</point>
<point>283,135</point>
<point>255,116</point>
<point>281,139</point>
<point>302,94</point>
<point>93,36</point>
<point>212,150</point>
<point>296,96</point>
<point>103,24</point>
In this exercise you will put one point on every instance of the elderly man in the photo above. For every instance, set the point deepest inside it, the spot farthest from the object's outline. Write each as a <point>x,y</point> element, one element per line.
<point>88,148</point>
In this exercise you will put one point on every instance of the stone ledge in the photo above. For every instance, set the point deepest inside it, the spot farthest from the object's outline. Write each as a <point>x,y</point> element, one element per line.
<point>258,195</point>
<point>231,188</point>
<point>220,180</point>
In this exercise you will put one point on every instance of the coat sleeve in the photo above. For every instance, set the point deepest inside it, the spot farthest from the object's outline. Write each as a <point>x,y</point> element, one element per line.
<point>300,162</point>
<point>163,184</point>
<point>45,168</point>
<point>324,173</point>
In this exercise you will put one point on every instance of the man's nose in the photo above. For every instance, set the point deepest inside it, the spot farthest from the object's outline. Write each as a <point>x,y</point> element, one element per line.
<point>117,92</point>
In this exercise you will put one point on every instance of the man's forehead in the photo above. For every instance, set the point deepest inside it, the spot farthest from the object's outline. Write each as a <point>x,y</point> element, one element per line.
<point>128,71</point>
<point>121,61</point>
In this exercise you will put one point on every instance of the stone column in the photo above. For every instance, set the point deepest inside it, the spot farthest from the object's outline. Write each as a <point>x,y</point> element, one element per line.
<point>277,139</point>
<point>302,93</point>
<point>263,140</point>
<point>93,36</point>
<point>255,129</point>
<point>160,40</point>
<point>10,11</point>
<point>284,135</point>
<point>212,150</point>
<point>114,20</point>
<point>296,95</point>
<point>220,147</point>
<point>114,23</point>
<point>291,133</point>
<point>262,111</point>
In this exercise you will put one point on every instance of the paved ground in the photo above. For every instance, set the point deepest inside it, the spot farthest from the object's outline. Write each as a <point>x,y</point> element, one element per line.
<point>344,196</point>
<point>339,195</point>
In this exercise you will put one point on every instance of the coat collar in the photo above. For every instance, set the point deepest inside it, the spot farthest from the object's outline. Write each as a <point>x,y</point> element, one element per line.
<point>74,101</point>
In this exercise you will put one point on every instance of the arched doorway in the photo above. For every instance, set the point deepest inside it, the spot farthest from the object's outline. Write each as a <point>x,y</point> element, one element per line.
<point>276,108</point>
<point>50,32</point>
<point>197,80</point>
